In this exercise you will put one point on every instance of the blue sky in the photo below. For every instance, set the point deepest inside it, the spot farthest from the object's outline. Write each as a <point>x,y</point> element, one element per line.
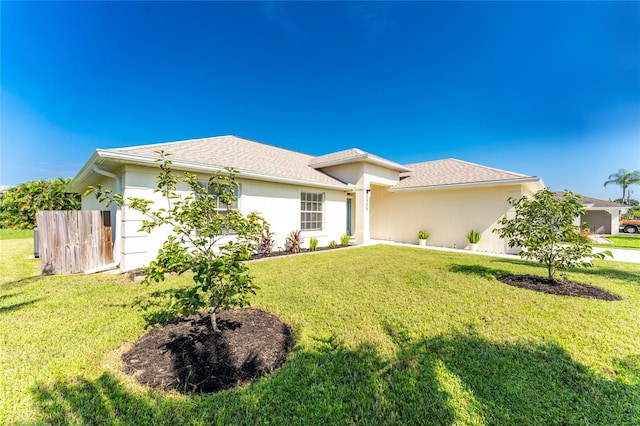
<point>542,88</point>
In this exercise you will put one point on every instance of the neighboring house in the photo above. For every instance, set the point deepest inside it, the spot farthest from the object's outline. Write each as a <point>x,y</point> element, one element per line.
<point>350,191</point>
<point>601,216</point>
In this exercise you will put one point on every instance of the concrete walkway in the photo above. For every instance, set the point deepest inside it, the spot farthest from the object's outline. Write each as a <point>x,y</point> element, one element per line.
<point>619,255</point>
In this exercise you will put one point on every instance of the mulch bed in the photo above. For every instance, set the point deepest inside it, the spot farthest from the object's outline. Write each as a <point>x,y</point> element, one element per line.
<point>188,356</point>
<point>279,253</point>
<point>560,288</point>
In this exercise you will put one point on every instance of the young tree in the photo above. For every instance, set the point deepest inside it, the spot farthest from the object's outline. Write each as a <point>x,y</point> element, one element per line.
<point>544,227</point>
<point>624,178</point>
<point>19,204</point>
<point>200,222</point>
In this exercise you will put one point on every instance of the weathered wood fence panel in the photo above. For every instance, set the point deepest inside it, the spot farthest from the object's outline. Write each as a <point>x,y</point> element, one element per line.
<point>74,240</point>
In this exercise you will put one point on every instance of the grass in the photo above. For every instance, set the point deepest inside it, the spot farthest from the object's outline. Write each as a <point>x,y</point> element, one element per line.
<point>385,335</point>
<point>625,241</point>
<point>12,234</point>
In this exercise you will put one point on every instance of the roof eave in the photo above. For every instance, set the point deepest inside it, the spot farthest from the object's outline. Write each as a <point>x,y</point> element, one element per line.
<point>125,158</point>
<point>469,185</point>
<point>607,208</point>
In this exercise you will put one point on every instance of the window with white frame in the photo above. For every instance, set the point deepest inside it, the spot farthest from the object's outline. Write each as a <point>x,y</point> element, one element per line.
<point>220,207</point>
<point>311,211</point>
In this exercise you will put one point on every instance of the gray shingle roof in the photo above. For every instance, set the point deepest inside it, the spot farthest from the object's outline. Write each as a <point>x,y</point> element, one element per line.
<point>594,202</point>
<point>347,154</point>
<point>272,162</point>
<point>242,154</point>
<point>453,172</point>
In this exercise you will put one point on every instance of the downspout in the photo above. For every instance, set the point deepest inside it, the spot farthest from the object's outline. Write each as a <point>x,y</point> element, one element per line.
<point>116,244</point>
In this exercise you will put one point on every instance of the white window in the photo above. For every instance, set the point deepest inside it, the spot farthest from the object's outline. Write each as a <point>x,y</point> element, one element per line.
<point>220,206</point>
<point>311,210</point>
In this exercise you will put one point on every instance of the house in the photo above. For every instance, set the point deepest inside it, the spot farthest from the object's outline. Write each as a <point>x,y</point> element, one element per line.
<point>352,191</point>
<point>601,216</point>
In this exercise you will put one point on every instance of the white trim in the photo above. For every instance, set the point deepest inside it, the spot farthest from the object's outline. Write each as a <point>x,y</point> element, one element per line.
<point>467,184</point>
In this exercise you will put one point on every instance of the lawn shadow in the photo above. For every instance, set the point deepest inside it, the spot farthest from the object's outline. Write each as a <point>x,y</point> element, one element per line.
<point>330,384</point>
<point>443,380</point>
<point>603,271</point>
<point>157,307</point>
<point>481,271</point>
<point>20,282</point>
<point>600,269</point>
<point>519,383</point>
<point>17,306</point>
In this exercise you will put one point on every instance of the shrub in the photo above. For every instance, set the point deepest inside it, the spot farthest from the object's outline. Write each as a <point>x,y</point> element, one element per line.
<point>333,244</point>
<point>423,235</point>
<point>18,205</point>
<point>344,240</point>
<point>313,244</point>
<point>473,237</point>
<point>266,243</point>
<point>294,241</point>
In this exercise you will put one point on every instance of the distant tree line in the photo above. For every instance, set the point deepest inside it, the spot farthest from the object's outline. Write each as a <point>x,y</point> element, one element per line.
<point>19,204</point>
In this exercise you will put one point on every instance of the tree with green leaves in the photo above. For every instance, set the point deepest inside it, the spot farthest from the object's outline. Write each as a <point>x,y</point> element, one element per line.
<point>544,228</point>
<point>624,178</point>
<point>19,204</point>
<point>211,242</point>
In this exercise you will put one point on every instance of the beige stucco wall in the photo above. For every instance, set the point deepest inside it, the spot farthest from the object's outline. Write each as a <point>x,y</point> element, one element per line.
<point>447,214</point>
<point>278,203</point>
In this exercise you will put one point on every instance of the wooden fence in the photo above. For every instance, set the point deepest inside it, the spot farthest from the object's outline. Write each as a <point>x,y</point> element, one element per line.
<point>74,240</point>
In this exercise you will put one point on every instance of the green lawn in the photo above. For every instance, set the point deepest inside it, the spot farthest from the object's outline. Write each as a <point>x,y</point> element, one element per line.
<point>385,335</point>
<point>11,234</point>
<point>625,241</point>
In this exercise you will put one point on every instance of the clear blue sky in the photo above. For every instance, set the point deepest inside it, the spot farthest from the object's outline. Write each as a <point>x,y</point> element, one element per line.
<point>542,88</point>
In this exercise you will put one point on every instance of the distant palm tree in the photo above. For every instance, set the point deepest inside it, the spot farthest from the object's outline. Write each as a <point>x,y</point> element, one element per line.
<point>624,179</point>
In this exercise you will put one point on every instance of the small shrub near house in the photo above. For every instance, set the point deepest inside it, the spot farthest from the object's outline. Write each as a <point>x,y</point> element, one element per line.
<point>473,237</point>
<point>294,241</point>
<point>266,243</point>
<point>313,244</point>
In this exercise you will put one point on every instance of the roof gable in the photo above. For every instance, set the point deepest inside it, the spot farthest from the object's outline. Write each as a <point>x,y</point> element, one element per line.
<point>354,155</point>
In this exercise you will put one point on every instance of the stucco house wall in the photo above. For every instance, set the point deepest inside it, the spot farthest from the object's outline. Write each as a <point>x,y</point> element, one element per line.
<point>447,214</point>
<point>278,203</point>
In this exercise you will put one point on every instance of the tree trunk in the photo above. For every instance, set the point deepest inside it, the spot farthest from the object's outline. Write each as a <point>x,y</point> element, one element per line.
<point>214,322</point>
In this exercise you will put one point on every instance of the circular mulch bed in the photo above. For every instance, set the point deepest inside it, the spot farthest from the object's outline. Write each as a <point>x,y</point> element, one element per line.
<point>560,288</point>
<point>187,356</point>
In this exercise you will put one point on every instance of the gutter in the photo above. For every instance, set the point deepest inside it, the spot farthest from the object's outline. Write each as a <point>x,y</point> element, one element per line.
<point>466,185</point>
<point>116,245</point>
